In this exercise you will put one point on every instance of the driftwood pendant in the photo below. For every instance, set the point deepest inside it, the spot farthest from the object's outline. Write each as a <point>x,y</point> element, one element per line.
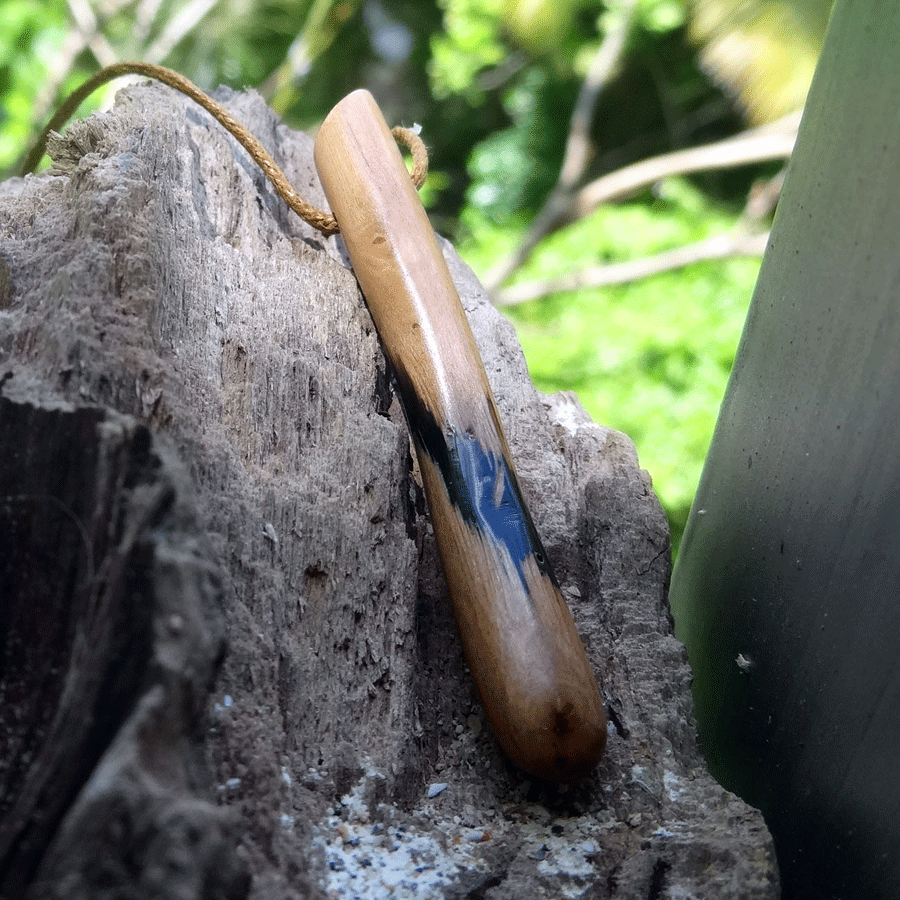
<point>536,684</point>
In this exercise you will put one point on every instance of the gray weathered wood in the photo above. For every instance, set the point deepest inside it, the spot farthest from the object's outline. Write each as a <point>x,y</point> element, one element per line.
<point>162,279</point>
<point>111,632</point>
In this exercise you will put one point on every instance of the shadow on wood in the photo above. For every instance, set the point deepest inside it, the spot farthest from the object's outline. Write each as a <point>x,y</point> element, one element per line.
<point>342,739</point>
<point>112,631</point>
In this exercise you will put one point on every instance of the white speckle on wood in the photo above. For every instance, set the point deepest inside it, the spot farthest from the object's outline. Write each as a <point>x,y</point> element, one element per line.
<point>567,416</point>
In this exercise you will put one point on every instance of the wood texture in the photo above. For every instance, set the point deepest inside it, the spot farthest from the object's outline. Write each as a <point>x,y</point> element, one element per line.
<point>533,675</point>
<point>162,278</point>
<point>111,630</point>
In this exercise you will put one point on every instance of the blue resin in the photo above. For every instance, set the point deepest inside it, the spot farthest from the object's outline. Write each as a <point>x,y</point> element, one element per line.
<point>480,483</point>
<point>484,489</point>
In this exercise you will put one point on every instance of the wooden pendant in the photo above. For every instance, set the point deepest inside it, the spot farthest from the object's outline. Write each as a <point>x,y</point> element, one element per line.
<point>535,682</point>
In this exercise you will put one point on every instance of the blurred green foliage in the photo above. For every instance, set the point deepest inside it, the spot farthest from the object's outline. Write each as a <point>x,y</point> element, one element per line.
<point>493,83</point>
<point>30,36</point>
<point>649,358</point>
<point>764,51</point>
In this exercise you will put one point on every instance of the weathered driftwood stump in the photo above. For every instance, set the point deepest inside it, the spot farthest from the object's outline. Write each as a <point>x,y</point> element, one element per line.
<point>229,663</point>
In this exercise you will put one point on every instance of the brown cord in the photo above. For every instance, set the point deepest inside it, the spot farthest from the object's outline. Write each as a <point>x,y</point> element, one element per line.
<point>316,217</point>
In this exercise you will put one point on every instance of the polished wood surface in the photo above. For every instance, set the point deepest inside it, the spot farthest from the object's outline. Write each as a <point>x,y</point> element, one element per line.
<point>536,684</point>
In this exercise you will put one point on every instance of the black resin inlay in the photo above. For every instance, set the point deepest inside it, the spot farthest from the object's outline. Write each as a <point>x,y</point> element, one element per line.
<point>480,483</point>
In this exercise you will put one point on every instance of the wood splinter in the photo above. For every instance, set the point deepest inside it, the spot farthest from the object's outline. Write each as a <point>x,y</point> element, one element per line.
<point>532,673</point>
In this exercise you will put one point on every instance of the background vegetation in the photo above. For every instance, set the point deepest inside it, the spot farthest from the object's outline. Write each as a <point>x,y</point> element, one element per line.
<point>524,105</point>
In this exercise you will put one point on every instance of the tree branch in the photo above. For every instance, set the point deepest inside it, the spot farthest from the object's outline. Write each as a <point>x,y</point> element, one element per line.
<point>578,148</point>
<point>181,24</point>
<point>769,142</point>
<point>775,141</point>
<point>721,246</point>
<point>89,29</point>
